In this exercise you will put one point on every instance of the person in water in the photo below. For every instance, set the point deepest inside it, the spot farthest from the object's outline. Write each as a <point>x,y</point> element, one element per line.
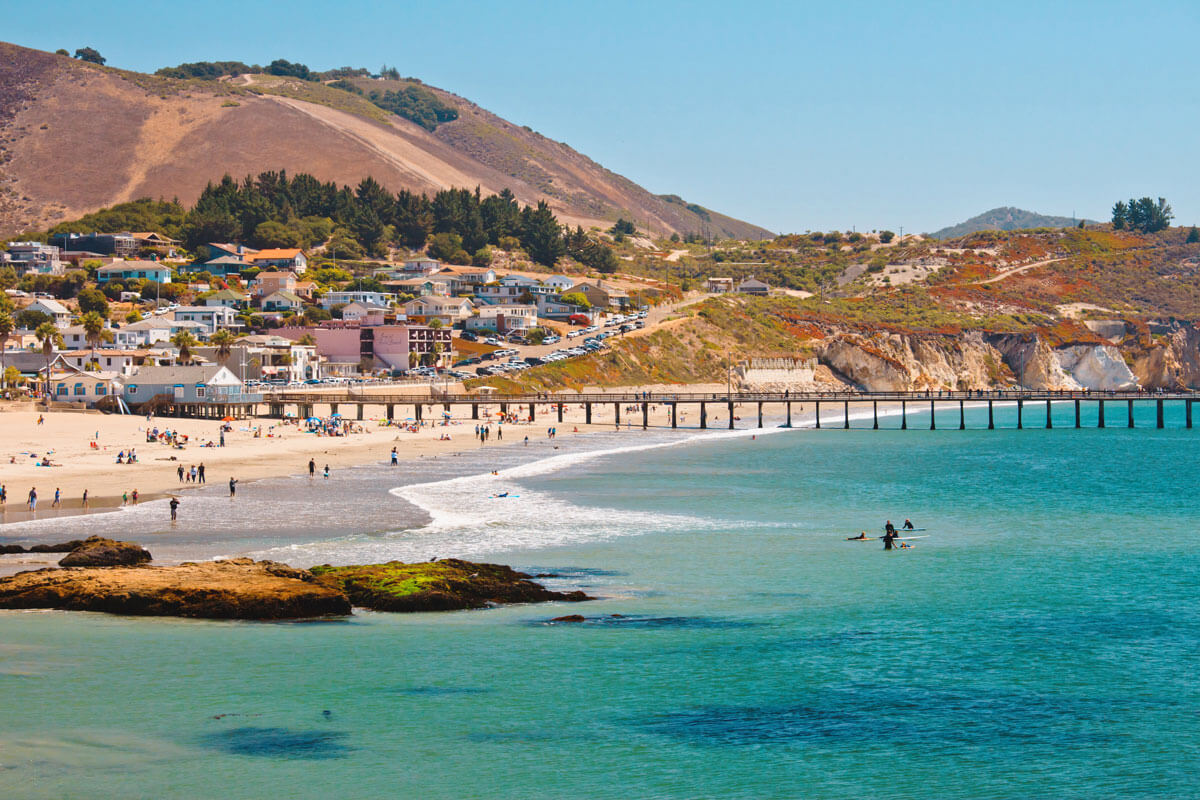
<point>908,526</point>
<point>889,528</point>
<point>889,539</point>
<point>860,537</point>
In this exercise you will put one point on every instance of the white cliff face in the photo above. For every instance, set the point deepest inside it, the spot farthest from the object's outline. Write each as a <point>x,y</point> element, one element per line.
<point>1098,367</point>
<point>882,361</point>
<point>1034,363</point>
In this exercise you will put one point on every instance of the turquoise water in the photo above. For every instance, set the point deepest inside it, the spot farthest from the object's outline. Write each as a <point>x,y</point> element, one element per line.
<point>1041,641</point>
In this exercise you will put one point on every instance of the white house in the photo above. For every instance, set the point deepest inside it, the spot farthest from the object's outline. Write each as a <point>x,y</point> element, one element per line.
<point>365,313</point>
<point>331,299</point>
<point>60,313</point>
<point>33,258</point>
<point>422,266</point>
<point>150,331</point>
<point>504,318</point>
<point>78,386</point>
<point>211,317</point>
<point>283,300</point>
<point>450,310</point>
<point>559,283</point>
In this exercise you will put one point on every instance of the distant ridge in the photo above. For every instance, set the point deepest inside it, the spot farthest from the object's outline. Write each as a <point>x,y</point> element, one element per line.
<point>1006,218</point>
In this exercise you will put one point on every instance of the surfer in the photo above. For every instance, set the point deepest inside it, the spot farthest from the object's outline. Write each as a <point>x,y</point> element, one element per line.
<point>889,539</point>
<point>889,528</point>
<point>862,536</point>
<point>908,526</point>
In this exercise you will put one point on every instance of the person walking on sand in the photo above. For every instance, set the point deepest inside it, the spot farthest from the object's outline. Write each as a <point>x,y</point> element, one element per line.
<point>57,498</point>
<point>41,419</point>
<point>135,496</point>
<point>326,472</point>
<point>395,457</point>
<point>85,500</point>
<point>200,473</point>
<point>180,471</point>
<point>33,498</point>
<point>125,498</point>
<point>312,468</point>
<point>174,508</point>
<point>232,487</point>
<point>3,496</point>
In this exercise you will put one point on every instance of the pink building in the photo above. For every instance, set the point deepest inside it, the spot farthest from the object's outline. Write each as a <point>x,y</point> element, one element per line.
<point>388,347</point>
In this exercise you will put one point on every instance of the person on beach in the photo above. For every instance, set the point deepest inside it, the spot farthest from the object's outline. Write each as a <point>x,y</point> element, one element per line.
<point>33,498</point>
<point>3,496</point>
<point>312,468</point>
<point>395,457</point>
<point>135,496</point>
<point>908,526</point>
<point>232,487</point>
<point>124,498</point>
<point>180,471</point>
<point>200,473</point>
<point>326,472</point>
<point>174,507</point>
<point>85,500</point>
<point>41,420</point>
<point>57,498</point>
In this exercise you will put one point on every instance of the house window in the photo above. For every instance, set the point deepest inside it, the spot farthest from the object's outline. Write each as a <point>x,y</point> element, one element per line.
<point>199,391</point>
<point>101,389</point>
<point>79,390</point>
<point>61,389</point>
<point>133,388</point>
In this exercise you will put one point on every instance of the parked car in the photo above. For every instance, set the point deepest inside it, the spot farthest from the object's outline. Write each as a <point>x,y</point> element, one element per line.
<point>468,336</point>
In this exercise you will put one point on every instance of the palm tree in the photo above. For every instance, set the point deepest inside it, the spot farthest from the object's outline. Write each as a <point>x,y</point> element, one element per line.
<point>185,342</point>
<point>47,333</point>
<point>7,326</point>
<point>307,340</point>
<point>94,328</point>
<point>223,340</point>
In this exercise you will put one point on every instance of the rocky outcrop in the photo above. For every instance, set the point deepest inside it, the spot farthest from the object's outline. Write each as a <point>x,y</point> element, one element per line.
<point>1099,367</point>
<point>235,589</point>
<point>96,551</point>
<point>446,585</point>
<point>887,361</point>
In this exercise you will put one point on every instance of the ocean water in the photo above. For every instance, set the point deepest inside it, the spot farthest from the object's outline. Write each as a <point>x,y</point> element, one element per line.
<point>1040,640</point>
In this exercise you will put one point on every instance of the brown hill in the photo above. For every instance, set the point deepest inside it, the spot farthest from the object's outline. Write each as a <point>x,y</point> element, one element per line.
<point>75,137</point>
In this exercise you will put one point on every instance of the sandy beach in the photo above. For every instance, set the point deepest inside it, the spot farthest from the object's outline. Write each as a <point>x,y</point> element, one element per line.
<point>83,448</point>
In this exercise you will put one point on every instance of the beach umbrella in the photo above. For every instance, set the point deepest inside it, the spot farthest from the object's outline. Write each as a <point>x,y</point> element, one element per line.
<point>313,419</point>
<point>227,419</point>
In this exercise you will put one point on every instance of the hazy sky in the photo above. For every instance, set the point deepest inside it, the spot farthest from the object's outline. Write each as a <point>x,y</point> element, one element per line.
<point>795,115</point>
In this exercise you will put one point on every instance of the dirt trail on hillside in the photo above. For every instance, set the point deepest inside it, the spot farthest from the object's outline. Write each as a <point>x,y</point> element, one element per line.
<point>1017,271</point>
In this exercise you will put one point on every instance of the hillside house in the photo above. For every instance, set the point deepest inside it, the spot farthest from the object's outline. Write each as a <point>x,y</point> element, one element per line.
<point>331,299</point>
<point>419,287</point>
<point>601,295</point>
<point>283,300</point>
<point>464,280</point>
<point>754,286</point>
<point>60,313</point>
<point>33,258</point>
<point>507,318</point>
<point>447,310</point>
<point>131,270</point>
<point>224,266</point>
<point>122,245</point>
<point>718,285</point>
<point>267,283</point>
<point>279,258</point>
<point>365,313</point>
<point>211,317</point>
<point>229,298</point>
<point>422,266</point>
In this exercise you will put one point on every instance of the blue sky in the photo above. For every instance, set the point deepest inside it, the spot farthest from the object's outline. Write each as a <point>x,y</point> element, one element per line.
<point>798,116</point>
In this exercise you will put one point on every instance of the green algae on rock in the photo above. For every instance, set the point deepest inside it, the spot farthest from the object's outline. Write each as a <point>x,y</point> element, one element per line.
<point>446,585</point>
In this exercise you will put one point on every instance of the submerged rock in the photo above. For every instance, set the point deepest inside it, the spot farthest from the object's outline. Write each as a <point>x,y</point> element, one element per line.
<point>239,588</point>
<point>96,551</point>
<point>445,585</point>
<point>64,547</point>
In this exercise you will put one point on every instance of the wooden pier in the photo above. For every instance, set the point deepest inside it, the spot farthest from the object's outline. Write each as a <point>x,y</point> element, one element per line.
<point>307,403</point>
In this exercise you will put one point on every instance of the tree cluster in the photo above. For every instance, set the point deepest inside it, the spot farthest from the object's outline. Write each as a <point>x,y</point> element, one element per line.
<point>1143,215</point>
<point>415,104</point>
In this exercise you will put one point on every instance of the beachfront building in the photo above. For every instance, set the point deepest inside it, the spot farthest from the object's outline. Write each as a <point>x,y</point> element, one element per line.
<point>268,357</point>
<point>73,385</point>
<point>134,270</point>
<point>211,317</point>
<point>447,310</point>
<point>507,318</point>
<point>122,362</point>
<point>32,258</point>
<point>60,313</point>
<point>203,384</point>
<point>351,349</point>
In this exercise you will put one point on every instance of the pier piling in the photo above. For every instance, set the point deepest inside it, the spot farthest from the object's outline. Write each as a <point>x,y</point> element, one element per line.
<point>1049,421</point>
<point>1130,404</point>
<point>760,424</point>
<point>730,415</point>
<point>1076,413</point>
<point>645,416</point>
<point>962,416</point>
<point>932,417</point>
<point>845,414</point>
<point>903,415</point>
<point>703,415</point>
<point>1100,419</point>
<point>1020,413</point>
<point>991,417</point>
<point>874,415</point>
<point>1159,413</point>
<point>674,416</point>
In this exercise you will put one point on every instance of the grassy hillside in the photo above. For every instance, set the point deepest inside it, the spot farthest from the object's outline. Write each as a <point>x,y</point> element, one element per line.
<point>1006,218</point>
